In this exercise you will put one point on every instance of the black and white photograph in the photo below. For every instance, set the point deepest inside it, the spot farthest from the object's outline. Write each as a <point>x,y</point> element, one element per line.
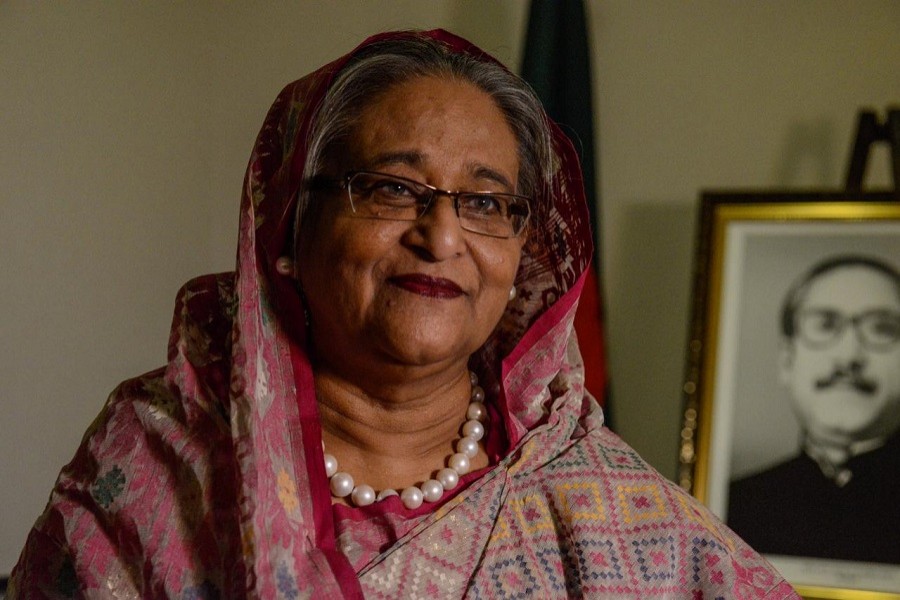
<point>802,357</point>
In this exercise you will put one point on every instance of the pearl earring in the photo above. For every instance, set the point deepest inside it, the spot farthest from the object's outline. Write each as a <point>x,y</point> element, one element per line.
<point>284,266</point>
<point>512,293</point>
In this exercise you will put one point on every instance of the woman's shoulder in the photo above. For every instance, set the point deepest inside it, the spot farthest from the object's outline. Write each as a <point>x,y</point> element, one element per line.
<point>627,525</point>
<point>139,486</point>
<point>146,436</point>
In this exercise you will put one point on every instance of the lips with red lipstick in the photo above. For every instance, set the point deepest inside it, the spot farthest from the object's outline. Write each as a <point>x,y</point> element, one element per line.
<point>424,285</point>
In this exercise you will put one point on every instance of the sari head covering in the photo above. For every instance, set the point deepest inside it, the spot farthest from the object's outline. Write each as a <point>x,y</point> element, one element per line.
<point>205,479</point>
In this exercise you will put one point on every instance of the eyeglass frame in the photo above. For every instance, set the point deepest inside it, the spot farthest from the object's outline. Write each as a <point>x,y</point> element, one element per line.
<point>322,181</point>
<point>844,320</point>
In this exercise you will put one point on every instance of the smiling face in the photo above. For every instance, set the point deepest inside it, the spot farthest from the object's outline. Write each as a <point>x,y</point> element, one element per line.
<point>422,292</point>
<point>844,391</point>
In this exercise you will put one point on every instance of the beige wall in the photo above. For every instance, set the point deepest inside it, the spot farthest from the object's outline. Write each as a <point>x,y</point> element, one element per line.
<point>125,129</point>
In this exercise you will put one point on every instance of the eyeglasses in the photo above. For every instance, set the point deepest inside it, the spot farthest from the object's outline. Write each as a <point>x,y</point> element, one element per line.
<point>876,329</point>
<point>381,196</point>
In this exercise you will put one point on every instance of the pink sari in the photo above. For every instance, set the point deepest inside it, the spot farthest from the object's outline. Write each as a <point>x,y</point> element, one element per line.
<point>205,479</point>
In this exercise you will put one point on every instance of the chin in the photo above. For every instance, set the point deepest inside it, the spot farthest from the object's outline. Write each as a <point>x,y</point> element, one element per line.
<point>423,353</point>
<point>429,342</point>
<point>849,430</point>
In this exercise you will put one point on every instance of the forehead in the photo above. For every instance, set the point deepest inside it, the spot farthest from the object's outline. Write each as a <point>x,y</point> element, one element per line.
<point>853,289</point>
<point>435,122</point>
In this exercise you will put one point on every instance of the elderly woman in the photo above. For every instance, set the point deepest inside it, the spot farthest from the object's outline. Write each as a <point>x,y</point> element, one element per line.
<point>386,399</point>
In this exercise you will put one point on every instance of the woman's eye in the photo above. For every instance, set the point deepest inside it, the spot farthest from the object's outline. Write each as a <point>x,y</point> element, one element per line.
<point>392,189</point>
<point>485,204</point>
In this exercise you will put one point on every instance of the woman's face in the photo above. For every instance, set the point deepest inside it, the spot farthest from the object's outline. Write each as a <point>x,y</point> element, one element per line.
<point>422,292</point>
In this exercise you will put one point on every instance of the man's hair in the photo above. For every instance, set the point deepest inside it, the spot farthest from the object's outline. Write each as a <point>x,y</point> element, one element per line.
<point>379,67</point>
<point>797,293</point>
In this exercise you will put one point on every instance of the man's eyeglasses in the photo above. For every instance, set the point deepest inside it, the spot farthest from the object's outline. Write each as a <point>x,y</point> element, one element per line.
<point>381,196</point>
<point>876,329</point>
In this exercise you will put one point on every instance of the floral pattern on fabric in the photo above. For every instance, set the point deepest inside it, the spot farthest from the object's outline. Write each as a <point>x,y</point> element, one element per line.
<point>108,487</point>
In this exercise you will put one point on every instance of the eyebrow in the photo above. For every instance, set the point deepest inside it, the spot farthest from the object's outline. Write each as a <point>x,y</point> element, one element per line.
<point>417,159</point>
<point>485,172</point>
<point>405,157</point>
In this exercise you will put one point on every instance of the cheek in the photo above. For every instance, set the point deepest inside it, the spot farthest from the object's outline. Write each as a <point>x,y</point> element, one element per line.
<point>498,267</point>
<point>349,242</point>
<point>340,266</point>
<point>886,367</point>
<point>496,289</point>
<point>811,365</point>
<point>801,379</point>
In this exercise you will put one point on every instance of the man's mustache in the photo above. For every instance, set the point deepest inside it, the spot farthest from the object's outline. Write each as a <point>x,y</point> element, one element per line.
<point>848,376</point>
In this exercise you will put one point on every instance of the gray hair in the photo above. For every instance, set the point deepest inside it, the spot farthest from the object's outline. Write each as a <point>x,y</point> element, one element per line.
<point>382,65</point>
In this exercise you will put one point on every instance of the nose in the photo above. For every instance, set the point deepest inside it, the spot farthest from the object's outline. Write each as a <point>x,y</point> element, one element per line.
<point>850,349</point>
<point>437,234</point>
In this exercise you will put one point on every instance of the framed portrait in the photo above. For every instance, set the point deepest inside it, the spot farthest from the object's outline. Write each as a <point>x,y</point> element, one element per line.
<point>791,427</point>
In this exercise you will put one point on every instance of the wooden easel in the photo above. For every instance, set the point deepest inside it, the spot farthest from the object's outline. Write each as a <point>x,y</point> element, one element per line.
<point>870,130</point>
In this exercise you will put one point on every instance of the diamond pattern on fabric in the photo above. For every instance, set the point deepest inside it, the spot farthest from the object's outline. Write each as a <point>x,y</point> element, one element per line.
<point>533,514</point>
<point>581,501</point>
<point>705,561</point>
<point>599,560</point>
<point>703,520</point>
<point>512,578</point>
<point>641,503</point>
<point>501,530</point>
<point>554,571</point>
<point>578,528</point>
<point>622,460</point>
<point>419,576</point>
<point>656,558</point>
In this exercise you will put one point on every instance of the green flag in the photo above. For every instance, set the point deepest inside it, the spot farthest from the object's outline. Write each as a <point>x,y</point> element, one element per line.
<point>557,65</point>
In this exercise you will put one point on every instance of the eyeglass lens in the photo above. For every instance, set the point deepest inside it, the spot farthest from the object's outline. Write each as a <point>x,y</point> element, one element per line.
<point>382,196</point>
<point>876,329</point>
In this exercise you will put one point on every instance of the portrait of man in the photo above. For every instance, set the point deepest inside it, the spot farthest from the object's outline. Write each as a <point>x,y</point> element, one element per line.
<point>839,360</point>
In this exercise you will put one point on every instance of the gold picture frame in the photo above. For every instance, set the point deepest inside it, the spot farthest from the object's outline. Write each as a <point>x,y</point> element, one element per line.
<point>750,248</point>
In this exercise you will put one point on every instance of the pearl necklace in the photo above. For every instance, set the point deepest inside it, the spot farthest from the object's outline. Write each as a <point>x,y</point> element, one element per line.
<point>458,463</point>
